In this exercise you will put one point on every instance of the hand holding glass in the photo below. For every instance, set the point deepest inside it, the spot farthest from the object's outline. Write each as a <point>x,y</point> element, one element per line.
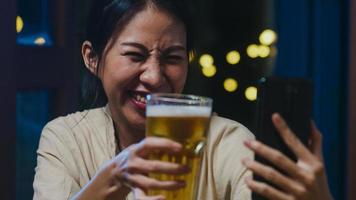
<point>184,119</point>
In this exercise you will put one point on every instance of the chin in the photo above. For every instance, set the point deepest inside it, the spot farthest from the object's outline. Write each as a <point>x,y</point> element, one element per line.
<point>139,122</point>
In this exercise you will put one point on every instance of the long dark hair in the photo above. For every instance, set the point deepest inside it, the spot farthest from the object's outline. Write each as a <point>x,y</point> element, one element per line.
<point>107,17</point>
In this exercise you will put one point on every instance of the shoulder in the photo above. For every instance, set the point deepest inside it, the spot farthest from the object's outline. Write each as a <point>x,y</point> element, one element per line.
<point>71,130</point>
<point>222,128</point>
<point>226,138</point>
<point>75,120</point>
<point>76,123</point>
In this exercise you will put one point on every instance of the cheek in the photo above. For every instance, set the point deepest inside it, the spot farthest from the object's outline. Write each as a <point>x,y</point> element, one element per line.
<point>114,78</point>
<point>118,71</point>
<point>178,76</point>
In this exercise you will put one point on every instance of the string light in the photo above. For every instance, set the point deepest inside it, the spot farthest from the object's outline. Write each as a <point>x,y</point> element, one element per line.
<point>268,37</point>
<point>251,93</point>
<point>264,51</point>
<point>209,71</point>
<point>230,85</point>
<point>253,51</point>
<point>19,24</point>
<point>233,57</point>
<point>40,41</point>
<point>206,60</point>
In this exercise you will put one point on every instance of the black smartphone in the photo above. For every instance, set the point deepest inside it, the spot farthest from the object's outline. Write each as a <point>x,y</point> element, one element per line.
<point>293,99</point>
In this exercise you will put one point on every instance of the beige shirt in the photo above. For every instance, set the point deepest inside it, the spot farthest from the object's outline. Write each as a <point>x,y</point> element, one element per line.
<point>73,148</point>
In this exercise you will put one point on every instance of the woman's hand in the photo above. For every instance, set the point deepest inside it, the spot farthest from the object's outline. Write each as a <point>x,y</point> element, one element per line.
<point>304,179</point>
<point>129,169</point>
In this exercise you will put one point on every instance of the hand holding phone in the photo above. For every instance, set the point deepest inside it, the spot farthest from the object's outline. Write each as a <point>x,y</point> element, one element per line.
<point>286,168</point>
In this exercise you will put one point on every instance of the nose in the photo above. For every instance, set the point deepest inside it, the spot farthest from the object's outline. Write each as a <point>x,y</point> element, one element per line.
<point>152,75</point>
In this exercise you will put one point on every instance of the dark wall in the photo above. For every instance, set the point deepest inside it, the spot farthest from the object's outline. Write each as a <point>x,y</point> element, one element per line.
<point>313,43</point>
<point>7,99</point>
<point>352,105</point>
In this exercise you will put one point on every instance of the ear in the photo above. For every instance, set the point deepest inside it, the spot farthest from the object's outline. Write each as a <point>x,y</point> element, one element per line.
<point>89,57</point>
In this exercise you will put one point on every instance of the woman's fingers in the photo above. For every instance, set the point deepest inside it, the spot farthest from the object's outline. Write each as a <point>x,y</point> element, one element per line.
<point>140,165</point>
<point>311,163</point>
<point>305,178</point>
<point>290,138</point>
<point>275,157</point>
<point>147,183</point>
<point>273,176</point>
<point>154,144</point>
<point>140,195</point>
<point>132,166</point>
<point>266,190</point>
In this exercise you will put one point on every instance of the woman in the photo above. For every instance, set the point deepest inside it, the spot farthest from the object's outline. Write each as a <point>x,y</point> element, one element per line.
<point>137,47</point>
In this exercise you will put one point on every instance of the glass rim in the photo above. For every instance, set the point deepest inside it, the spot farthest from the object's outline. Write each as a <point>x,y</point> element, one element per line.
<point>189,99</point>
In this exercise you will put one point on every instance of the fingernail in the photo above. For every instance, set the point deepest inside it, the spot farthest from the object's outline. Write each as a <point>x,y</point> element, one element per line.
<point>248,179</point>
<point>276,116</point>
<point>254,144</point>
<point>177,147</point>
<point>246,162</point>
<point>247,142</point>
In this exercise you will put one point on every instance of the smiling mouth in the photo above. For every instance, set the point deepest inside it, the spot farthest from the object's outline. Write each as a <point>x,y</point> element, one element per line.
<point>138,99</point>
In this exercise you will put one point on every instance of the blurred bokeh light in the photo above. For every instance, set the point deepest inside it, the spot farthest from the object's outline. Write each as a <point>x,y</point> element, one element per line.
<point>233,57</point>
<point>251,93</point>
<point>268,37</point>
<point>230,85</point>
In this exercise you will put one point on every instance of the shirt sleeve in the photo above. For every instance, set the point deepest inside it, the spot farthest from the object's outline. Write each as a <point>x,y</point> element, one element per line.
<point>54,178</point>
<point>239,189</point>
<point>229,168</point>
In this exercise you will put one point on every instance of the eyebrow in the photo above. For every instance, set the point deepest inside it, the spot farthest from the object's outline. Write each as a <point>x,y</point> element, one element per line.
<point>142,47</point>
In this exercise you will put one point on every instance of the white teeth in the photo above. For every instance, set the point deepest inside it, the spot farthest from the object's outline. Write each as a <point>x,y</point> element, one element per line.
<point>140,98</point>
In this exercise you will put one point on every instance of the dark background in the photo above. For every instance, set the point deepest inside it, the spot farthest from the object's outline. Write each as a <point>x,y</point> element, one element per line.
<point>315,40</point>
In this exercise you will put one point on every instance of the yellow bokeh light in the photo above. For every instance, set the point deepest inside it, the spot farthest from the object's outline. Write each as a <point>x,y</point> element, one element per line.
<point>209,71</point>
<point>264,51</point>
<point>19,24</point>
<point>230,85</point>
<point>206,60</point>
<point>253,51</point>
<point>40,41</point>
<point>191,56</point>
<point>268,37</point>
<point>233,57</point>
<point>251,93</point>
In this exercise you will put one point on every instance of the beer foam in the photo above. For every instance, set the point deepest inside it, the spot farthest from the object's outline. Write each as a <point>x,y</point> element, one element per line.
<point>177,111</point>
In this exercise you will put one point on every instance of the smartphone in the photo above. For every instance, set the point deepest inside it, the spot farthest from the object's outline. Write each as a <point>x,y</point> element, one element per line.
<point>292,98</point>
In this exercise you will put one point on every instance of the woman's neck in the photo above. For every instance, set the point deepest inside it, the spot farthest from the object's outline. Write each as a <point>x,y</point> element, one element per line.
<point>127,135</point>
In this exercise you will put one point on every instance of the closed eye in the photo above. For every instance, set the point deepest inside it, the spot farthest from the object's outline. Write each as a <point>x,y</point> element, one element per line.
<point>135,56</point>
<point>172,59</point>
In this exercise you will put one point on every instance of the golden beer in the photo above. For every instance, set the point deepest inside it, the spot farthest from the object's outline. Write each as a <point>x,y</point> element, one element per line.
<point>187,125</point>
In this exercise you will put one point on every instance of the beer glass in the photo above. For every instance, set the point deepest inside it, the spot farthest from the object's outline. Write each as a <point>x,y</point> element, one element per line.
<point>184,119</point>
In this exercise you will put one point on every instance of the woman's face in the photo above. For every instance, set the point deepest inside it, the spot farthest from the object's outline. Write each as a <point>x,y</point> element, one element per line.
<point>148,56</point>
